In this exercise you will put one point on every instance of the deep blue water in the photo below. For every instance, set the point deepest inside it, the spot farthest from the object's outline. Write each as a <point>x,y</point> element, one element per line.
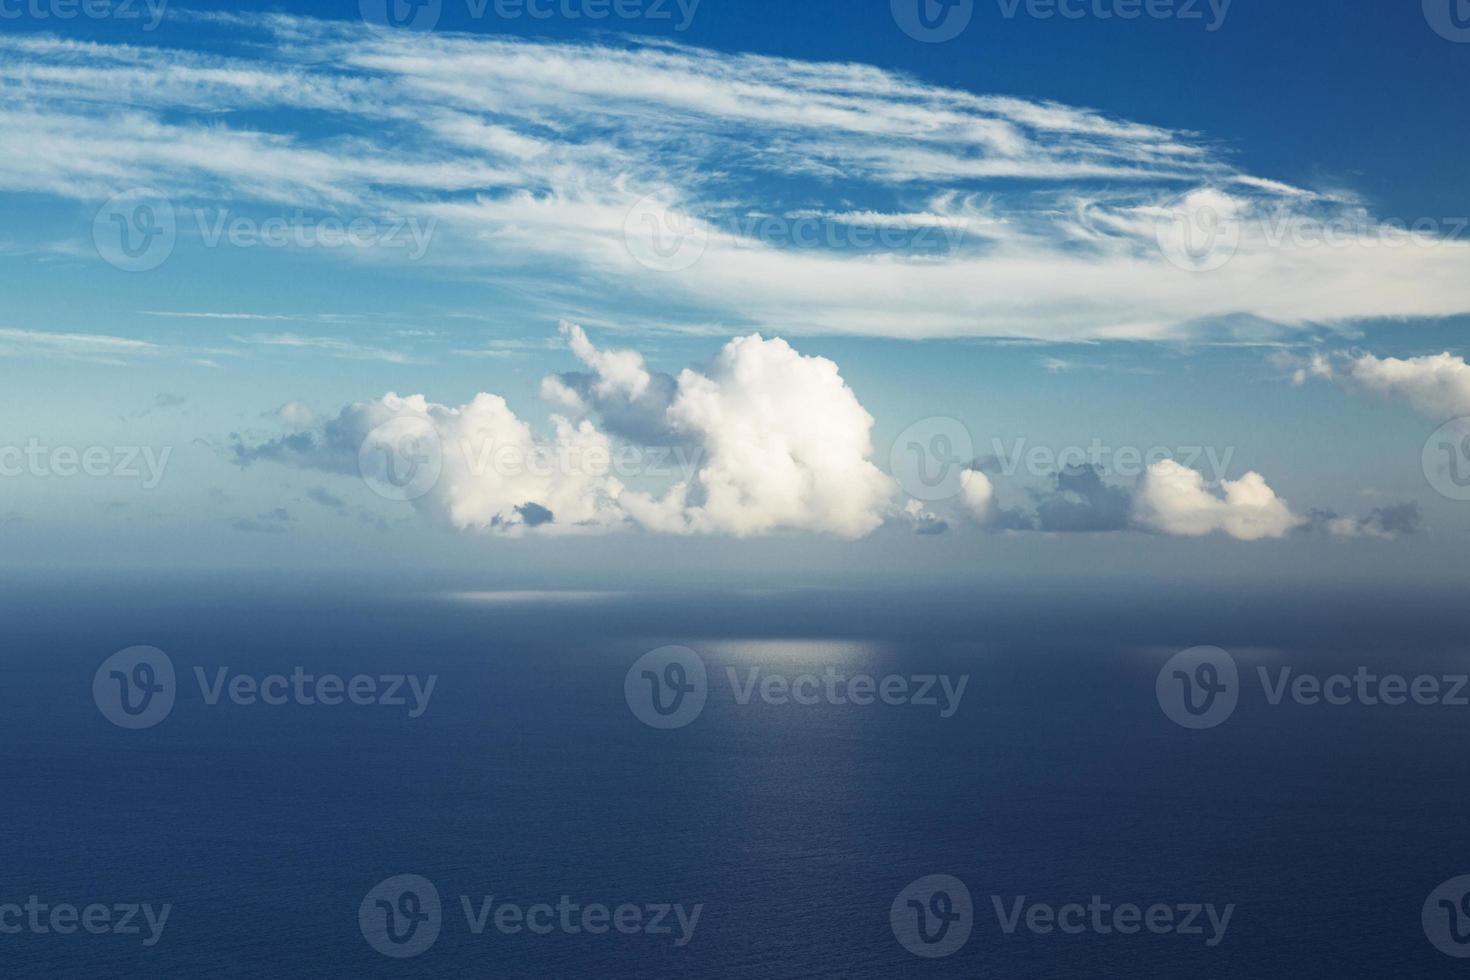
<point>528,778</point>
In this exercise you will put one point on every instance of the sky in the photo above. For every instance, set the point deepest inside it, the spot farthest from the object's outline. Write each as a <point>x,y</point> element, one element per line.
<point>574,293</point>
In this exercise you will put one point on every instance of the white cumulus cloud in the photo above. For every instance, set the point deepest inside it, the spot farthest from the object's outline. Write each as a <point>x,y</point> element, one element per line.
<point>786,445</point>
<point>1173,499</point>
<point>1437,385</point>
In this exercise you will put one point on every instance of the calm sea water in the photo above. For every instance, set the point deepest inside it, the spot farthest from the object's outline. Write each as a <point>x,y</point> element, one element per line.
<point>792,827</point>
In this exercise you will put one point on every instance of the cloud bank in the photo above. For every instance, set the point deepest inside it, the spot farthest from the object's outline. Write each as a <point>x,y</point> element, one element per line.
<point>761,439</point>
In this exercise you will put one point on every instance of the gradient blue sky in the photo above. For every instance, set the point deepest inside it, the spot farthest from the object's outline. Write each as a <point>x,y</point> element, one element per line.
<point>1056,318</point>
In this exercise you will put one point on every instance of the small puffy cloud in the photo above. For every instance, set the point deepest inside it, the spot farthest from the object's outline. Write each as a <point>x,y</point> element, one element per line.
<point>1316,366</point>
<point>1082,502</point>
<point>1385,523</point>
<point>494,472</point>
<point>1173,499</point>
<point>1437,385</point>
<point>296,416</point>
<point>925,522</point>
<point>977,494</point>
<point>318,495</point>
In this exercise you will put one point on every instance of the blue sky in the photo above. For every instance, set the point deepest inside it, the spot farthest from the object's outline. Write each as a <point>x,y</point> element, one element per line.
<point>1000,229</point>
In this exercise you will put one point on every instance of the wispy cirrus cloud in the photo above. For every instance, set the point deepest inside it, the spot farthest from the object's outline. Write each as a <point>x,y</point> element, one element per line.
<point>333,346</point>
<point>759,192</point>
<point>88,346</point>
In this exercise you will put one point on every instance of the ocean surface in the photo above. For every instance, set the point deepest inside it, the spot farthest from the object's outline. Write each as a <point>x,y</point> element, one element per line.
<point>274,832</point>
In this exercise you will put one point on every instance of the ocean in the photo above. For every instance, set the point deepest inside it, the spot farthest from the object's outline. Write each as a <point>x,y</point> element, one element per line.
<point>830,799</point>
